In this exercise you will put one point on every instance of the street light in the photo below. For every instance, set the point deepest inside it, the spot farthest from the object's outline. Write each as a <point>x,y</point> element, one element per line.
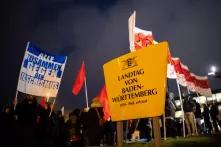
<point>213,70</point>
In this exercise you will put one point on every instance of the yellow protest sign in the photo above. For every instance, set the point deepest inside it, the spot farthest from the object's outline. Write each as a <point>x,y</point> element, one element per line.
<point>136,83</point>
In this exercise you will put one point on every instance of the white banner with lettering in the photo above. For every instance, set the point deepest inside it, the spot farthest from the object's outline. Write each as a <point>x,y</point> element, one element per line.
<point>41,72</point>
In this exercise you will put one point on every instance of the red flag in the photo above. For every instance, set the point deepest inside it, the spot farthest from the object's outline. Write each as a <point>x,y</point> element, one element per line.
<point>102,97</point>
<point>79,81</point>
<point>43,102</point>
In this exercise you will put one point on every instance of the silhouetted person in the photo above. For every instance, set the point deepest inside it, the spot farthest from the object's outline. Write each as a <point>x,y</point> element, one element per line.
<point>73,137</point>
<point>52,127</point>
<point>170,109</point>
<point>214,113</point>
<point>198,116</point>
<point>144,129</point>
<point>206,116</point>
<point>93,132</point>
<point>109,132</point>
<point>6,127</point>
<point>188,106</point>
<point>27,115</point>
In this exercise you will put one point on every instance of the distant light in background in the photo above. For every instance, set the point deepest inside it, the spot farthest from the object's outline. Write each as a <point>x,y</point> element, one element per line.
<point>177,102</point>
<point>209,99</point>
<point>178,114</point>
<point>213,70</point>
<point>219,107</point>
<point>202,100</point>
<point>218,96</point>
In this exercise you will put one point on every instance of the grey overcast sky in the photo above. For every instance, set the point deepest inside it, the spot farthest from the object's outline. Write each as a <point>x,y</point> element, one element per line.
<point>96,31</point>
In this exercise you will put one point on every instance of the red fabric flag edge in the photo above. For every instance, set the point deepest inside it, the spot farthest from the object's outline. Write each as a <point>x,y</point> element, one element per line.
<point>102,97</point>
<point>79,81</point>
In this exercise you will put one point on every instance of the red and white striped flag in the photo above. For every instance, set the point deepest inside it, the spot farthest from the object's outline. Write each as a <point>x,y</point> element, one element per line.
<point>180,76</point>
<point>202,85</point>
<point>189,79</point>
<point>142,38</point>
<point>192,84</point>
<point>171,73</point>
<point>138,38</point>
<point>131,26</point>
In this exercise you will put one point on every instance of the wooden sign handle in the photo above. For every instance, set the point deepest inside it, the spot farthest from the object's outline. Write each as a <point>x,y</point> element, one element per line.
<point>119,133</point>
<point>156,132</point>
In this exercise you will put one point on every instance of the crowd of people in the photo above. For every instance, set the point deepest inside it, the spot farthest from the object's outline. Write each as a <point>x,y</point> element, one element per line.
<point>199,119</point>
<point>31,125</point>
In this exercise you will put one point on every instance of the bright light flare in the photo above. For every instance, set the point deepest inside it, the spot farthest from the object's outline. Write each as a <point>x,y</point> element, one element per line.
<point>213,69</point>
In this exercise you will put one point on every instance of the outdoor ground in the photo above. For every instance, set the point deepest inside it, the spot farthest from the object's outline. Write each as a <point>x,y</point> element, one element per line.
<point>198,141</point>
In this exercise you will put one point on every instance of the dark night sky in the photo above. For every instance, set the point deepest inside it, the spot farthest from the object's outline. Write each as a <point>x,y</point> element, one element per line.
<point>97,31</point>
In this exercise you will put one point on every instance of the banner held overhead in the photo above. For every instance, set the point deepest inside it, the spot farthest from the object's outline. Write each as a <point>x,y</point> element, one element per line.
<point>41,72</point>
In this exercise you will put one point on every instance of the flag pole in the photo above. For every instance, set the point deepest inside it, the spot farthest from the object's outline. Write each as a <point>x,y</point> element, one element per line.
<point>164,118</point>
<point>126,131</point>
<point>16,94</point>
<point>16,99</point>
<point>164,125</point>
<point>188,90</point>
<point>62,111</point>
<point>52,107</point>
<point>181,105</point>
<point>85,87</point>
<point>48,96</point>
